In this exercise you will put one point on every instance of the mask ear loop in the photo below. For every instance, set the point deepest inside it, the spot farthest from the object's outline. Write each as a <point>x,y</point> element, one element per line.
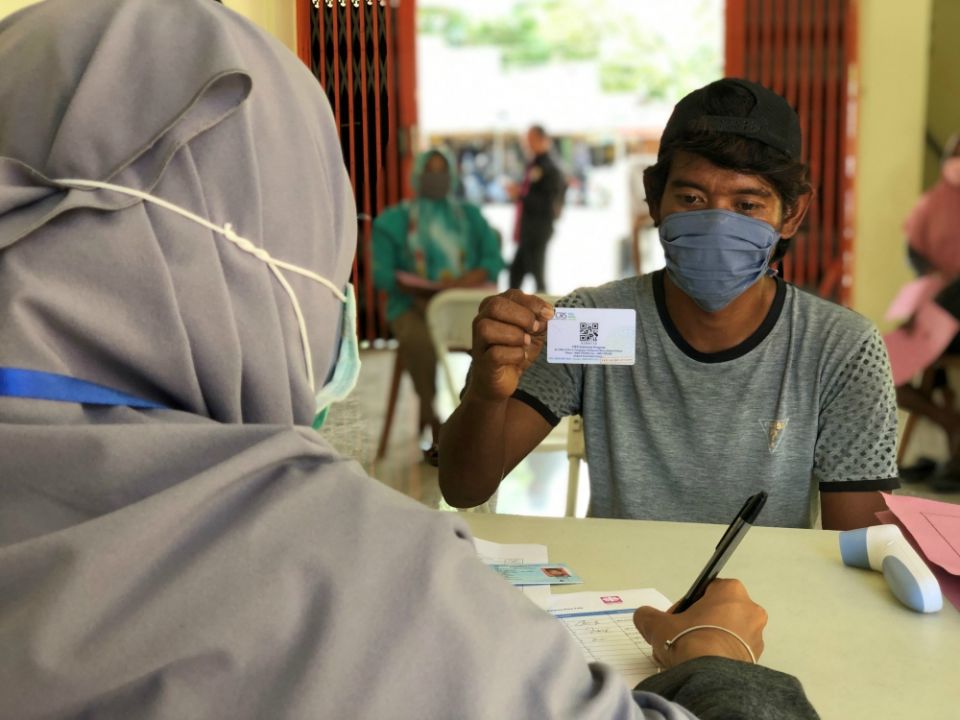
<point>242,243</point>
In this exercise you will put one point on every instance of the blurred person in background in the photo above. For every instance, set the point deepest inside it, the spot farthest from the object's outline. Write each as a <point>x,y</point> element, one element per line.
<point>539,203</point>
<point>423,246</point>
<point>930,306</point>
<point>640,218</point>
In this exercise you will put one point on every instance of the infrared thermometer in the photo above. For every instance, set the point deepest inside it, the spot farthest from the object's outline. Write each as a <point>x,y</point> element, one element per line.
<point>884,549</point>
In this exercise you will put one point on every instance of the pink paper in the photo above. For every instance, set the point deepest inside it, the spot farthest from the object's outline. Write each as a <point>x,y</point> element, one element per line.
<point>415,281</point>
<point>916,346</point>
<point>949,584</point>
<point>914,295</point>
<point>935,525</point>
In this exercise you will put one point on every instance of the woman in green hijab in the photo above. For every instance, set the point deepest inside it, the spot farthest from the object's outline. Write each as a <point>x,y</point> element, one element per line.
<point>422,247</point>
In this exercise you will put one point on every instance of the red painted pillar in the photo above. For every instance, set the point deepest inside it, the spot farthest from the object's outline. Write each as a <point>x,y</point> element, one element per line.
<point>405,31</point>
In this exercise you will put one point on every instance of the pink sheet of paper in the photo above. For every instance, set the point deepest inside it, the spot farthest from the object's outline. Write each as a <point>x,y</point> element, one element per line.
<point>935,525</point>
<point>913,295</point>
<point>913,348</point>
<point>416,281</point>
<point>949,584</point>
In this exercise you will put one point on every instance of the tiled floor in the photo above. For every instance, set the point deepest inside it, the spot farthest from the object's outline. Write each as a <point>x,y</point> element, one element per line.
<point>536,487</point>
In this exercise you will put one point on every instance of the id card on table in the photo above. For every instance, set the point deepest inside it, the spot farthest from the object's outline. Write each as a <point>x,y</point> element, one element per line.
<point>592,336</point>
<point>538,574</point>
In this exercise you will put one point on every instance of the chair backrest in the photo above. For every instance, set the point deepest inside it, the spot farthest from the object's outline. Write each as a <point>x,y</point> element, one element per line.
<point>450,315</point>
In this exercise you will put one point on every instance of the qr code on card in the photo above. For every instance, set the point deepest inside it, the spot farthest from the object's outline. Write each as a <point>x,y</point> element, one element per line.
<point>589,332</point>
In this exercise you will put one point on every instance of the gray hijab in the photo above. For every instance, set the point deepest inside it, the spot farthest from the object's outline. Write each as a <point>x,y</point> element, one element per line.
<point>158,306</point>
<point>214,559</point>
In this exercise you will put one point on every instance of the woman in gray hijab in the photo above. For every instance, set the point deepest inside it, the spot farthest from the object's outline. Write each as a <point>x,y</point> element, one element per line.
<point>176,230</point>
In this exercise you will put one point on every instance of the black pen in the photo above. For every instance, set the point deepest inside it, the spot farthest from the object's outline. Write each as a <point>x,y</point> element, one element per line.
<point>728,543</point>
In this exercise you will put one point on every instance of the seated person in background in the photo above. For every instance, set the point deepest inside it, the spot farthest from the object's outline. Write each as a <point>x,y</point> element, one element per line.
<point>421,247</point>
<point>933,244</point>
<point>741,383</point>
<point>933,226</point>
<point>175,540</point>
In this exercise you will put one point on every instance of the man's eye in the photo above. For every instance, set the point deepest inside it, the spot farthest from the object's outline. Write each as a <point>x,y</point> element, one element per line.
<point>745,206</point>
<point>689,199</point>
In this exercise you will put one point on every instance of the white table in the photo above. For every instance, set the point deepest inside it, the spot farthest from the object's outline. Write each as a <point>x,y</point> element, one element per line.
<point>857,650</point>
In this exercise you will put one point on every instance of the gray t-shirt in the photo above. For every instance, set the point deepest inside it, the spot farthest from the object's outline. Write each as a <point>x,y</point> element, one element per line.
<point>681,435</point>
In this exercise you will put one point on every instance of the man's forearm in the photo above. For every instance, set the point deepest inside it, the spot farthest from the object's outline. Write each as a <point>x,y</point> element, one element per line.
<point>472,451</point>
<point>850,510</point>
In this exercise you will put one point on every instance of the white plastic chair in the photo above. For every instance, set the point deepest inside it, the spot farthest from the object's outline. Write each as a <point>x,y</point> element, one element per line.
<point>450,317</point>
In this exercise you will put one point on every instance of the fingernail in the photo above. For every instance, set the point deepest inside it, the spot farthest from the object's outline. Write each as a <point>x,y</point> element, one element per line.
<point>526,339</point>
<point>536,325</point>
<point>547,313</point>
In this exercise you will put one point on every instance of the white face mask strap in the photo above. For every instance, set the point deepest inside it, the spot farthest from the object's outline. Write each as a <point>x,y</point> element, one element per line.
<point>242,243</point>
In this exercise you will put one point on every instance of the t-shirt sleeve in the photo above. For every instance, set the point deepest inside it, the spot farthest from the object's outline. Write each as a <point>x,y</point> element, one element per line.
<point>857,440</point>
<point>552,389</point>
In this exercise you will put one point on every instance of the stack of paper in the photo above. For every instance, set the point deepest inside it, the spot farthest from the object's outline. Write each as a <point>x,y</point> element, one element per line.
<point>493,553</point>
<point>933,528</point>
<point>600,622</point>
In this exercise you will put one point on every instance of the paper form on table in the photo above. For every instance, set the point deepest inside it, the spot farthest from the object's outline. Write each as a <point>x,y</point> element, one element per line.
<point>602,625</point>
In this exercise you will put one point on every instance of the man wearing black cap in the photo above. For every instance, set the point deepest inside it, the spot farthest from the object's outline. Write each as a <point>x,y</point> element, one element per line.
<point>741,381</point>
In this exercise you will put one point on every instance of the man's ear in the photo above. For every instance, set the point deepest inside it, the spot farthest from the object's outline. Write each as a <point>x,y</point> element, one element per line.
<point>652,204</point>
<point>794,215</point>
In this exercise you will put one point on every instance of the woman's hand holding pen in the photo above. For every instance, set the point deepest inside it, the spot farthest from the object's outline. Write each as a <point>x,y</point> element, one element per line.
<point>725,604</point>
<point>508,334</point>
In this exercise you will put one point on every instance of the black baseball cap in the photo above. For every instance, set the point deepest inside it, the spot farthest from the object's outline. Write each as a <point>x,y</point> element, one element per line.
<point>771,120</point>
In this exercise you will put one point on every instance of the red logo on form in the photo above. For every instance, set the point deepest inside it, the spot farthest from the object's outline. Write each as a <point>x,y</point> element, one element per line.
<point>610,599</point>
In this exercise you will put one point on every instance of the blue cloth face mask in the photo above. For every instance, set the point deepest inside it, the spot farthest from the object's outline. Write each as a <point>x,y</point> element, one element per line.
<point>343,378</point>
<point>715,255</point>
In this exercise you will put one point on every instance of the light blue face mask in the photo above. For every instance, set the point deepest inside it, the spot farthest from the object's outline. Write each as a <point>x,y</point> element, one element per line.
<point>715,255</point>
<point>346,371</point>
<point>342,379</point>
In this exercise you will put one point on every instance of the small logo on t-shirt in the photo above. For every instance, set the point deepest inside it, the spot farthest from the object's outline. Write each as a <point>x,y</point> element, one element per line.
<point>774,430</point>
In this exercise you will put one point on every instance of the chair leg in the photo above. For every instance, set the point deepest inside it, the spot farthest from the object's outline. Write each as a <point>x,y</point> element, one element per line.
<point>573,484</point>
<point>575,451</point>
<point>905,438</point>
<point>926,391</point>
<point>391,406</point>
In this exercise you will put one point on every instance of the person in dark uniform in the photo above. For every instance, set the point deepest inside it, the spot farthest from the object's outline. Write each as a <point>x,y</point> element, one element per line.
<point>539,200</point>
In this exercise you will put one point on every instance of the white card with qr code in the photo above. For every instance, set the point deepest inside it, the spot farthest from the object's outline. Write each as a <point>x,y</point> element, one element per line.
<point>592,336</point>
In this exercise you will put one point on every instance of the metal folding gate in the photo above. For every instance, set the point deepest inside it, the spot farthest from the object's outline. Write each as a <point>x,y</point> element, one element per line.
<point>807,51</point>
<point>361,52</point>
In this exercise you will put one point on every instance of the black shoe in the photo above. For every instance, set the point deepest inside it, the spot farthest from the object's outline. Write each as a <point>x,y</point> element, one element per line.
<point>923,469</point>
<point>946,479</point>
<point>431,455</point>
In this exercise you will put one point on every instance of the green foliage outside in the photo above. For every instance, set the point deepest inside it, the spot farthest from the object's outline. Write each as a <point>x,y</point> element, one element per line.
<point>630,58</point>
